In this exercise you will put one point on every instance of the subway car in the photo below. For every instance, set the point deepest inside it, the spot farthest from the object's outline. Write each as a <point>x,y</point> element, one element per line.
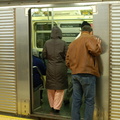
<point>25,25</point>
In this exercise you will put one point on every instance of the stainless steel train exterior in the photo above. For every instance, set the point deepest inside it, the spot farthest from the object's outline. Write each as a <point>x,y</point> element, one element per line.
<point>15,57</point>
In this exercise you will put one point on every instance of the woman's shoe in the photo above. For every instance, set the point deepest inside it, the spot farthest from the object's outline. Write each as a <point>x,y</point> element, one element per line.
<point>52,109</point>
<point>56,111</point>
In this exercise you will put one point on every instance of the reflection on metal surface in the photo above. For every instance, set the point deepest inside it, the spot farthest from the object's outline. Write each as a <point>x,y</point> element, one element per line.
<point>22,62</point>
<point>102,83</point>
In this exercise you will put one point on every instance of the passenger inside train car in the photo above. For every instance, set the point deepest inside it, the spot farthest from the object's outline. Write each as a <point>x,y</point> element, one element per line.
<point>70,89</point>
<point>54,51</point>
<point>39,69</point>
<point>69,20</point>
<point>84,71</point>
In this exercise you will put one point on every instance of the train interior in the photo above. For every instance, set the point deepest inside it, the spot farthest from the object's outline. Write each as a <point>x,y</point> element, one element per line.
<point>69,20</point>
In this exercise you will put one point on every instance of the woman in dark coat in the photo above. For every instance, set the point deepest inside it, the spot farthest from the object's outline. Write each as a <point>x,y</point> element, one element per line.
<point>54,52</point>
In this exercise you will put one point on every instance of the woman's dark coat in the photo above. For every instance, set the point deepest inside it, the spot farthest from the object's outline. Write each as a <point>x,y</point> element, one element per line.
<point>54,52</point>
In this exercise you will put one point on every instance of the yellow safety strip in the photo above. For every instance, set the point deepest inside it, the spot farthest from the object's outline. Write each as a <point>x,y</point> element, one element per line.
<point>4,117</point>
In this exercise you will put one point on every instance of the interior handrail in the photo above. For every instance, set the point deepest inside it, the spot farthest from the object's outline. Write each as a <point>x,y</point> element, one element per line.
<point>40,74</point>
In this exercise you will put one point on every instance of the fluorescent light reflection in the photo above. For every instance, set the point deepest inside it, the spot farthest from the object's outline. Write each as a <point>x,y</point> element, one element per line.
<point>67,8</point>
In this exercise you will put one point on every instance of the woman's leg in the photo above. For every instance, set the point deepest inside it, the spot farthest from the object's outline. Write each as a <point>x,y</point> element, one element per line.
<point>58,99</point>
<point>51,94</point>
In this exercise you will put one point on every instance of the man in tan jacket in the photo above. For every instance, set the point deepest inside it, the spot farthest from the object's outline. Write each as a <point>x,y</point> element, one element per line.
<point>82,59</point>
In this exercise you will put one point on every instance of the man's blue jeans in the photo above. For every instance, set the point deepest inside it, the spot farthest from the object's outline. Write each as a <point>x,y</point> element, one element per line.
<point>83,84</point>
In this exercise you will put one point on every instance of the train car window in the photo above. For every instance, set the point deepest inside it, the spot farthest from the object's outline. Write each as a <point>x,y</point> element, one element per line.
<point>43,26</point>
<point>41,39</point>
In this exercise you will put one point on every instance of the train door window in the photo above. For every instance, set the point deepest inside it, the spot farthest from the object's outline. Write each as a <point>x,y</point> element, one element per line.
<point>42,32</point>
<point>41,39</point>
<point>69,20</point>
<point>43,26</point>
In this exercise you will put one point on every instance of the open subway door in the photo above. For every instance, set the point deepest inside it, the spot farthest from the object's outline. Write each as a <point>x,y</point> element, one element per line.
<point>69,20</point>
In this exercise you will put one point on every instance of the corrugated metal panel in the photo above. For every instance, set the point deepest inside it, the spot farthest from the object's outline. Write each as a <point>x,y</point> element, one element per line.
<point>115,62</point>
<point>7,61</point>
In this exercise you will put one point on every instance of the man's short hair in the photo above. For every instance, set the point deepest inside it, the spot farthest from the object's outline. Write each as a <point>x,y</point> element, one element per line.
<point>85,23</point>
<point>86,28</point>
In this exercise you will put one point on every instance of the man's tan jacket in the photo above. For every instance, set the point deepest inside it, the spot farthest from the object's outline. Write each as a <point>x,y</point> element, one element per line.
<point>82,55</point>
